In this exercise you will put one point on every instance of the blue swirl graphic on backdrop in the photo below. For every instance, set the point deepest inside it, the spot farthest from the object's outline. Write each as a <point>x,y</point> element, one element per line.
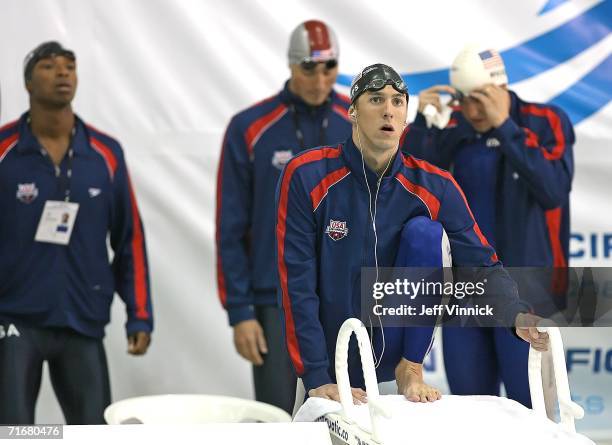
<point>546,51</point>
<point>550,5</point>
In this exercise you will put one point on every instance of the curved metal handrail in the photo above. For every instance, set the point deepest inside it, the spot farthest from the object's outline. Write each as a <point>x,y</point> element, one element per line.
<point>568,409</point>
<point>375,406</point>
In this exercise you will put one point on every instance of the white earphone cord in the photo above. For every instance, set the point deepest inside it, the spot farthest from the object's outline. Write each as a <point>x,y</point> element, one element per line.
<point>377,360</point>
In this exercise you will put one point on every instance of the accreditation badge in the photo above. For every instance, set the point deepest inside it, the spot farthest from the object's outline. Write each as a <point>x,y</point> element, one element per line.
<point>57,221</point>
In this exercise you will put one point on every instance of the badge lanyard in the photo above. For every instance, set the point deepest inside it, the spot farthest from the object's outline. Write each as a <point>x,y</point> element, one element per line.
<point>298,131</point>
<point>65,182</point>
<point>58,217</point>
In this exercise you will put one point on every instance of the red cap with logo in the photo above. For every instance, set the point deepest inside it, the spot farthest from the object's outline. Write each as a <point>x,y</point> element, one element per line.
<point>312,41</point>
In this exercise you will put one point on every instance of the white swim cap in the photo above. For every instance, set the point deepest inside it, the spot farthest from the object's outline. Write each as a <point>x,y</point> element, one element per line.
<point>476,66</point>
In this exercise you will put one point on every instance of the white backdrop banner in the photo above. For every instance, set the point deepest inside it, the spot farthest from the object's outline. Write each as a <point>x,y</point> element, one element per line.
<point>164,77</point>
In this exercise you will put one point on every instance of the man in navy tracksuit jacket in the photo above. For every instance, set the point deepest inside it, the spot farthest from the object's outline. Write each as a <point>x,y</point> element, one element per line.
<point>513,159</point>
<point>343,207</point>
<point>55,298</point>
<point>258,143</point>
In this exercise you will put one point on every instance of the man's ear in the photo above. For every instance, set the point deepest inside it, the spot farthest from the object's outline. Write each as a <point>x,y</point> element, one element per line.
<point>352,112</point>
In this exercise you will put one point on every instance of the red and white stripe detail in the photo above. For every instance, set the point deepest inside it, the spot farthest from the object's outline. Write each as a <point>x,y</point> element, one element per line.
<point>429,200</point>
<point>6,145</point>
<point>281,227</point>
<point>10,141</point>
<point>8,125</point>
<point>261,125</point>
<point>107,154</point>
<point>318,194</point>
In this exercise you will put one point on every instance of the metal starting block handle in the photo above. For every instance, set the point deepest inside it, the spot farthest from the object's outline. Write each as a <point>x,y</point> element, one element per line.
<point>568,409</point>
<point>375,405</point>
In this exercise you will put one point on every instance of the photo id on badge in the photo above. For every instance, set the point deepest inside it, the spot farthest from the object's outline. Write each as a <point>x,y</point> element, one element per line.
<point>57,221</point>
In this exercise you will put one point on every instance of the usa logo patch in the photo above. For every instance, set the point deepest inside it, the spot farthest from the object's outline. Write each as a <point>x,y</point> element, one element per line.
<point>493,142</point>
<point>27,193</point>
<point>281,157</point>
<point>336,229</point>
<point>93,192</point>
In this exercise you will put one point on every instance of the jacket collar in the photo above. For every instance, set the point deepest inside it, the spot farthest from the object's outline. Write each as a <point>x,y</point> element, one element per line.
<point>354,160</point>
<point>29,143</point>
<point>515,106</point>
<point>293,100</point>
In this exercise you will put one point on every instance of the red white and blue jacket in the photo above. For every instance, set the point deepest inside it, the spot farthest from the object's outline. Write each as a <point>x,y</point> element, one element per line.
<point>325,236</point>
<point>517,177</point>
<point>258,142</point>
<point>52,285</point>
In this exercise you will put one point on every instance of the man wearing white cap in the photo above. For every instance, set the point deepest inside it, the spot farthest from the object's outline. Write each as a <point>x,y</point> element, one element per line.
<point>513,159</point>
<point>259,141</point>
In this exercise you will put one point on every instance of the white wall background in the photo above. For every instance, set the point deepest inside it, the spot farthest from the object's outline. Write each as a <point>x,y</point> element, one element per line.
<point>165,76</point>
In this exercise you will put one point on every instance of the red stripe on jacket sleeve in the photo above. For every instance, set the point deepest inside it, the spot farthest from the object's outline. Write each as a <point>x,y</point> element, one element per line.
<point>411,162</point>
<point>220,275</point>
<point>8,125</point>
<point>257,128</point>
<point>138,255</point>
<point>281,227</point>
<point>431,202</point>
<point>560,279</point>
<point>320,191</point>
<point>553,221</point>
<point>555,124</point>
<point>107,154</point>
<point>532,138</point>
<point>7,143</point>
